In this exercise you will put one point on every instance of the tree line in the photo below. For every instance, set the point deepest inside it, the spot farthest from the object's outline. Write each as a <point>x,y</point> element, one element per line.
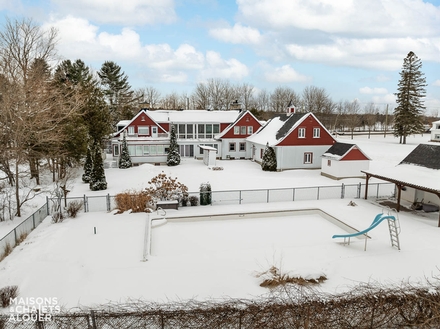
<point>56,113</point>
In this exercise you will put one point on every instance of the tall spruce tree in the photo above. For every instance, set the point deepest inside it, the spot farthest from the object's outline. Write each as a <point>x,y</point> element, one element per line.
<point>269,161</point>
<point>97,176</point>
<point>408,115</point>
<point>117,90</point>
<point>173,156</point>
<point>124,158</point>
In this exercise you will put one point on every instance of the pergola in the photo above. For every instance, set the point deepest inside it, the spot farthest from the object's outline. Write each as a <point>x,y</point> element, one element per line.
<point>400,184</point>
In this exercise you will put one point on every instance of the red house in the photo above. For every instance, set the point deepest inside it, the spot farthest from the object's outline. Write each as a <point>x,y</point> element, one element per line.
<point>234,138</point>
<point>299,141</point>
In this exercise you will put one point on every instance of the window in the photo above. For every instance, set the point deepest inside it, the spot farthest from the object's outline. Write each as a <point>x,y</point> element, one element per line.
<point>261,153</point>
<point>329,163</point>
<point>181,131</point>
<point>131,150</point>
<point>308,158</point>
<point>153,149</point>
<point>160,149</point>
<point>316,132</point>
<point>131,130</point>
<point>189,131</point>
<point>139,150</point>
<point>209,131</point>
<point>146,149</point>
<point>232,147</point>
<point>201,131</point>
<point>250,130</point>
<point>242,146</point>
<point>143,130</point>
<point>154,131</point>
<point>216,128</point>
<point>236,130</point>
<point>302,133</point>
<point>116,150</point>
<point>243,130</point>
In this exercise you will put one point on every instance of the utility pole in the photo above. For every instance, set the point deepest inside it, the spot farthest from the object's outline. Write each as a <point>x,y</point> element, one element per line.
<point>386,122</point>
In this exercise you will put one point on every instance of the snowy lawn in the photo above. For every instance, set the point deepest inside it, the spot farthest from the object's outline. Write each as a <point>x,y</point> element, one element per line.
<point>220,257</point>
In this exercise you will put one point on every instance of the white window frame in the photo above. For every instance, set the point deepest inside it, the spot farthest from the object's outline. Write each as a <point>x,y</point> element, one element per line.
<point>308,157</point>
<point>146,128</point>
<point>243,130</point>
<point>301,132</point>
<point>130,130</point>
<point>244,146</point>
<point>236,130</point>
<point>316,132</point>
<point>250,130</point>
<point>232,147</point>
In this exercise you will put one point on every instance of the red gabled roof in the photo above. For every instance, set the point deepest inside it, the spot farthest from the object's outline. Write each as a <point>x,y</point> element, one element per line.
<point>240,121</point>
<point>142,118</point>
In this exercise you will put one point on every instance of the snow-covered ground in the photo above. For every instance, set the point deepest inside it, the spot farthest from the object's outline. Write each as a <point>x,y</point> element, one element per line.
<point>220,257</point>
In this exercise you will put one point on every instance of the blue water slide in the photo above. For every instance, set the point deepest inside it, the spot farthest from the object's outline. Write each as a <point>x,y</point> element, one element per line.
<point>377,220</point>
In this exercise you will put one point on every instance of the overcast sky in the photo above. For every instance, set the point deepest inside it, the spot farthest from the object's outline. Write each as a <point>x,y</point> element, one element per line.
<point>354,49</point>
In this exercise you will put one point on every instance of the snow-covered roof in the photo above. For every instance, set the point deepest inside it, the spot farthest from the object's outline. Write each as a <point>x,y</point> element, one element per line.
<point>242,113</point>
<point>420,168</point>
<point>410,175</point>
<point>277,128</point>
<point>338,150</point>
<point>193,116</point>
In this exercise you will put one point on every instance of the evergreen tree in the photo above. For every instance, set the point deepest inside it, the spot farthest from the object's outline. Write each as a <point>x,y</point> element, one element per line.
<point>408,115</point>
<point>117,91</point>
<point>97,176</point>
<point>88,165</point>
<point>124,158</point>
<point>269,161</point>
<point>173,156</point>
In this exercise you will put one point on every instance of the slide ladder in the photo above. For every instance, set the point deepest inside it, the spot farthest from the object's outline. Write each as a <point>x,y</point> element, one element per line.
<point>394,227</point>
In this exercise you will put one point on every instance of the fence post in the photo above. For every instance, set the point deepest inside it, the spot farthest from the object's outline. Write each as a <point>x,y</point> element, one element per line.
<point>267,196</point>
<point>342,191</point>
<point>293,194</point>
<point>85,203</point>
<point>92,314</point>
<point>359,190</point>
<point>15,234</point>
<point>377,191</point>
<point>239,198</point>
<point>108,202</point>
<point>47,205</point>
<point>317,194</point>
<point>33,220</point>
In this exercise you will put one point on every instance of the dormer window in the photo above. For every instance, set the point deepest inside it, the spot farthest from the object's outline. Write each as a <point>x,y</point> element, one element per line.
<point>142,118</point>
<point>130,130</point>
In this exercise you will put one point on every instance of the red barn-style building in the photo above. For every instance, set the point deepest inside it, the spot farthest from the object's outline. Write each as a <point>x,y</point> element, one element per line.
<point>299,141</point>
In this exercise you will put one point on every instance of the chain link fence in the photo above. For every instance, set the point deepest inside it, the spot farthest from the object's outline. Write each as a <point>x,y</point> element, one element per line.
<point>233,197</point>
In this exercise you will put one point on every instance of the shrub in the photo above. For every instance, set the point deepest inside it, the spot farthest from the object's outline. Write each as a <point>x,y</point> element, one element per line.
<point>6,294</point>
<point>193,200</point>
<point>184,200</point>
<point>73,208</point>
<point>57,217</point>
<point>166,188</point>
<point>137,201</point>
<point>7,249</point>
<point>205,194</point>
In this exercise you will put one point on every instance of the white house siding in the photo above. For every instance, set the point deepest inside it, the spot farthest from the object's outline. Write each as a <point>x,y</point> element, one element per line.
<point>435,131</point>
<point>412,195</point>
<point>343,169</point>
<point>292,157</point>
<point>237,154</point>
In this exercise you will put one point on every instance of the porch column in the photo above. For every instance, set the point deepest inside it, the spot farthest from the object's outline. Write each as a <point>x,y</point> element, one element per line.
<point>399,193</point>
<point>367,178</point>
